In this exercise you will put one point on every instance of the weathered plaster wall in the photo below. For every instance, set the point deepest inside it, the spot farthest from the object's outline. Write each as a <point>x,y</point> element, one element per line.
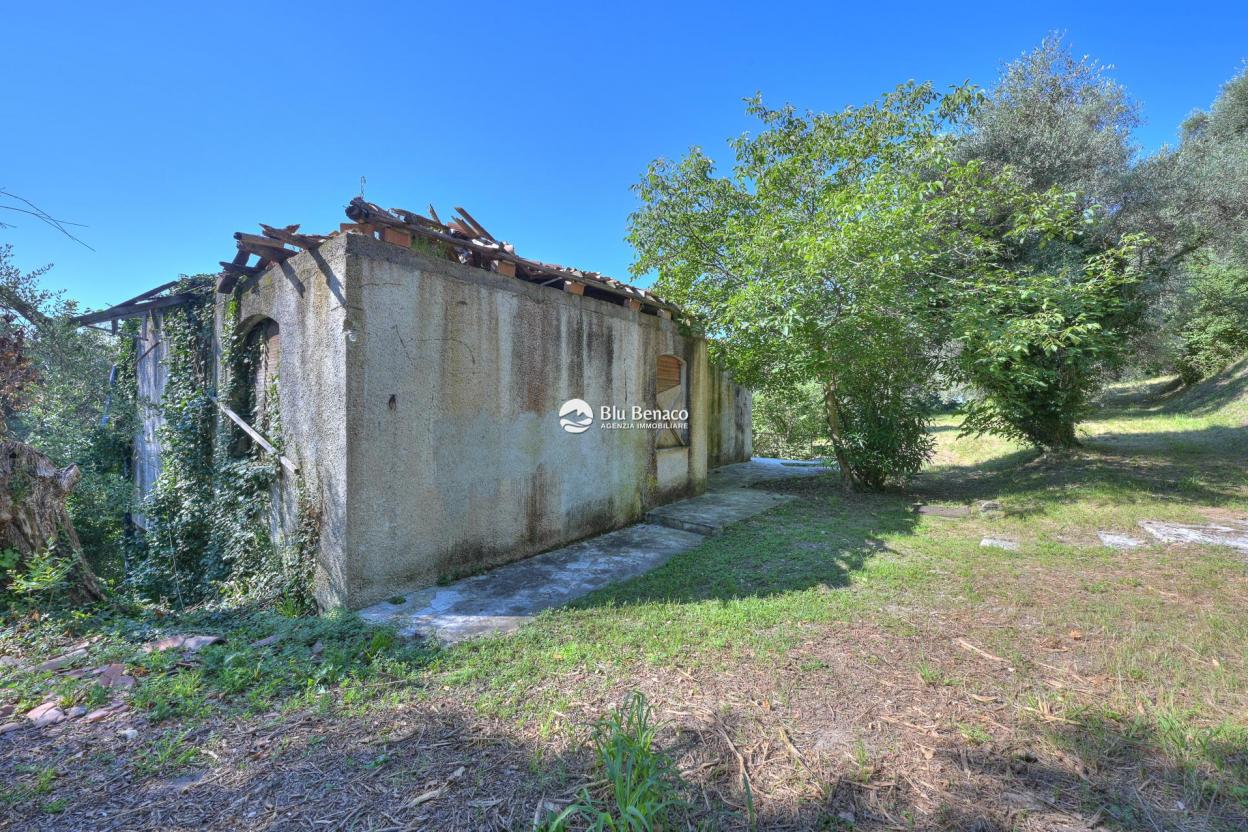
<point>307,297</point>
<point>456,459</point>
<point>730,438</point>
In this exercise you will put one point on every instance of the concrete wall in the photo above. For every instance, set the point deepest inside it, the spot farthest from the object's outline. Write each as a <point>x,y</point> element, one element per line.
<point>730,438</point>
<point>457,460</point>
<point>151,373</point>
<point>307,297</point>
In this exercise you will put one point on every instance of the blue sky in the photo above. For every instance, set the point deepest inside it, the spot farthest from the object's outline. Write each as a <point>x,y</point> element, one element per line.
<point>166,131</point>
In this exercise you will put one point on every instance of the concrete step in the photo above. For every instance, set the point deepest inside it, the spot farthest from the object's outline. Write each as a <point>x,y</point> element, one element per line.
<point>502,599</point>
<point>709,513</point>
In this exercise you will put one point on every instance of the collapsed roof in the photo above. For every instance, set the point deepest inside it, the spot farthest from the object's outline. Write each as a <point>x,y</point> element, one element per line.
<point>463,239</point>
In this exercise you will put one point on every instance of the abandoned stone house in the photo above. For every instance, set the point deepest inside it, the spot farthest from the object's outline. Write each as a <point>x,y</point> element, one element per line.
<point>427,381</point>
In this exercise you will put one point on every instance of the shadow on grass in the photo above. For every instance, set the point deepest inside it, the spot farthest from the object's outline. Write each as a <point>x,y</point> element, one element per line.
<point>1199,467</point>
<point>826,535</point>
<point>817,541</point>
<point>1208,396</point>
<point>337,766</point>
<point>448,768</point>
<point>1169,397</point>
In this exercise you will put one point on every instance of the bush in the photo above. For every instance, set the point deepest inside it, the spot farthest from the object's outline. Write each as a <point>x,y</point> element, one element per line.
<point>884,434</point>
<point>1213,320</point>
<point>790,423</point>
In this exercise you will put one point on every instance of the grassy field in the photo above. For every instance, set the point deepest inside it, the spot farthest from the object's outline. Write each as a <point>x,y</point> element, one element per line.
<point>842,662</point>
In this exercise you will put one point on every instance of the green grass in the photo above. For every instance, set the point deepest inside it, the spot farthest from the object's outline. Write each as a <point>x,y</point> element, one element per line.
<point>311,661</point>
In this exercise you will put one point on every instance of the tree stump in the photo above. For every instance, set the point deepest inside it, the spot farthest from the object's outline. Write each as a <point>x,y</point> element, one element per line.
<point>33,517</point>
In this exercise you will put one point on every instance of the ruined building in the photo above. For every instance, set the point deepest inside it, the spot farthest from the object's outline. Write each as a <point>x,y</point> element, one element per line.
<point>427,379</point>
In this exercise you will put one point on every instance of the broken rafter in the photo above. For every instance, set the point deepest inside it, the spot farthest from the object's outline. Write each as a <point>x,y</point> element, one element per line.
<point>360,211</point>
<point>149,293</point>
<point>290,236</point>
<point>133,310</point>
<point>237,270</point>
<point>478,227</point>
<point>263,247</point>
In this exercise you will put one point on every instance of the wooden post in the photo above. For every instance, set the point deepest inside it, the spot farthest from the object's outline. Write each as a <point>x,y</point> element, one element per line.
<point>255,435</point>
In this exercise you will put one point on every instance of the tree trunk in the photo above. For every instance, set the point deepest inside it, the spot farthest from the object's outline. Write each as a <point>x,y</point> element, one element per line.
<point>832,406</point>
<point>33,517</point>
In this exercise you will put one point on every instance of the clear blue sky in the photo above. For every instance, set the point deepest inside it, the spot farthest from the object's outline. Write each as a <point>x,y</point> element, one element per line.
<point>166,128</point>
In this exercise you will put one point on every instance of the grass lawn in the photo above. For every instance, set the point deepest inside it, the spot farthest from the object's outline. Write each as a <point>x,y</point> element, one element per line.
<point>842,662</point>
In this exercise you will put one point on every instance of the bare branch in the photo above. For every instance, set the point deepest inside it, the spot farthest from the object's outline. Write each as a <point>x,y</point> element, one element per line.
<point>35,211</point>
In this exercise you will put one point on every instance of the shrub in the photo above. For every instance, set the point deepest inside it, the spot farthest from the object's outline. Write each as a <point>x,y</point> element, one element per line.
<point>790,423</point>
<point>1213,320</point>
<point>884,420</point>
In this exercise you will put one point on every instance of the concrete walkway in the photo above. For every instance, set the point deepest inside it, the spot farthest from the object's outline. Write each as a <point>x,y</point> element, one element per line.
<point>504,598</point>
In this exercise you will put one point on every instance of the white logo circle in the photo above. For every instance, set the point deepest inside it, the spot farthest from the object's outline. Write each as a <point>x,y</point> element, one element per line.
<point>575,416</point>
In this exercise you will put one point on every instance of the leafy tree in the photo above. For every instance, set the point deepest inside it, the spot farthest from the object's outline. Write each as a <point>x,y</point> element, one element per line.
<point>1212,319</point>
<point>1036,342</point>
<point>1049,319</point>
<point>1193,201</point>
<point>862,251</point>
<point>820,258</point>
<point>1211,174</point>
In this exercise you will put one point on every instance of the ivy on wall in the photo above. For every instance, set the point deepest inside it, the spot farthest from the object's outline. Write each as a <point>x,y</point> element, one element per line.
<point>212,531</point>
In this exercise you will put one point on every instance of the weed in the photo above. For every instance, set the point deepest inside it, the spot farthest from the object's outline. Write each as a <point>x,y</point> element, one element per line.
<point>173,695</point>
<point>931,675</point>
<point>974,734</point>
<point>864,766</point>
<point>641,782</point>
<point>168,754</point>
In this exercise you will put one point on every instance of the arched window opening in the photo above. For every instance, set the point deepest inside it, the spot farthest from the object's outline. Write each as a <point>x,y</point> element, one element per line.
<point>671,394</point>
<point>255,395</point>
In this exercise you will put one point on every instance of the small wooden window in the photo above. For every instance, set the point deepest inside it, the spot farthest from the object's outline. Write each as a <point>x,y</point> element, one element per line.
<point>670,394</point>
<point>669,373</point>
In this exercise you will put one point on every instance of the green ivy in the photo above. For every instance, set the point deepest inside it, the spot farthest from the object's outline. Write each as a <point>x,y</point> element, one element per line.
<point>211,531</point>
<point>173,562</point>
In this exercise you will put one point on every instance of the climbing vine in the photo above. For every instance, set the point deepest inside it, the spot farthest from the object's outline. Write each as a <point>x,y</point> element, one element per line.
<point>171,561</point>
<point>215,530</point>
